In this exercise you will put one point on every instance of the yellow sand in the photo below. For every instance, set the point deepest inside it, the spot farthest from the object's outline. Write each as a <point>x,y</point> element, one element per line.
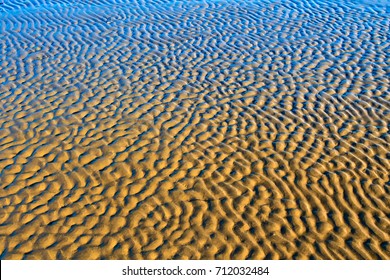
<point>194,130</point>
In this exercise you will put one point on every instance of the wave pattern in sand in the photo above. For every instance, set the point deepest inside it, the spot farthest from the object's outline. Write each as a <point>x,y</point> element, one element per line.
<point>194,129</point>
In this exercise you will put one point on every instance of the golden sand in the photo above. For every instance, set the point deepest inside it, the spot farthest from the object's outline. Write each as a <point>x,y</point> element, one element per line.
<point>194,129</point>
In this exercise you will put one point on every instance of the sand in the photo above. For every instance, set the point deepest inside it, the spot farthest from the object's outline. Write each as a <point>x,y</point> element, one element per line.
<point>194,129</point>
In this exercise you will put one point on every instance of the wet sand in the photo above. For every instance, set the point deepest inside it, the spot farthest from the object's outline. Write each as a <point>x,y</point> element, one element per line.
<point>194,129</point>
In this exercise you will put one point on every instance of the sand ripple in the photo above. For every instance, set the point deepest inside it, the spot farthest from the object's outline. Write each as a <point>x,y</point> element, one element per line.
<point>194,129</point>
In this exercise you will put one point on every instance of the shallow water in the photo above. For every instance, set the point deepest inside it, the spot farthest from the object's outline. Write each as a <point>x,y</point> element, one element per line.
<point>194,129</point>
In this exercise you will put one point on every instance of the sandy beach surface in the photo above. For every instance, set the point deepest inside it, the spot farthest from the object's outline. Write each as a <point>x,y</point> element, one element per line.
<point>194,129</point>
